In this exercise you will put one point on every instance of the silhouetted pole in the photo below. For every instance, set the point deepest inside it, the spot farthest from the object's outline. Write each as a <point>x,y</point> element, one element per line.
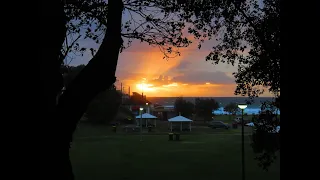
<point>242,107</point>
<point>129,91</point>
<point>242,143</point>
<point>121,93</point>
<point>141,109</point>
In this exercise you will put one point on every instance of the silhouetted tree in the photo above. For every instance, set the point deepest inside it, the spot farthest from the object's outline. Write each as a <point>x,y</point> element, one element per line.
<point>265,141</point>
<point>184,107</point>
<point>104,107</point>
<point>231,108</point>
<point>204,108</point>
<point>247,34</point>
<point>70,72</point>
<point>100,21</point>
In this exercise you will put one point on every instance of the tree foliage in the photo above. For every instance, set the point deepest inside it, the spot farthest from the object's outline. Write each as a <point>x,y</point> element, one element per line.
<point>231,108</point>
<point>205,106</point>
<point>154,22</point>
<point>184,107</point>
<point>70,72</point>
<point>158,23</point>
<point>247,34</point>
<point>265,140</point>
<point>104,107</point>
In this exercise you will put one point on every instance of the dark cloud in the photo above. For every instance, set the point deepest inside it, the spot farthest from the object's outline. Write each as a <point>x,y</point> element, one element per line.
<point>188,77</point>
<point>161,80</point>
<point>200,77</point>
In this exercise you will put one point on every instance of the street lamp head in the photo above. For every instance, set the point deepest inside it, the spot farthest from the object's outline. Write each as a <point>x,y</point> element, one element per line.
<point>242,106</point>
<point>141,109</point>
<point>147,104</point>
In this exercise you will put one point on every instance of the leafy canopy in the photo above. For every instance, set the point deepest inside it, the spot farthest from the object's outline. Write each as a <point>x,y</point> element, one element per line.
<point>247,33</point>
<point>204,107</point>
<point>154,22</point>
<point>184,107</point>
<point>231,108</point>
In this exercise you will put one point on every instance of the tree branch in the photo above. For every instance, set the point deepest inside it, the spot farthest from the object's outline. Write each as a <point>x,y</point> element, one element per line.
<point>64,55</point>
<point>248,19</point>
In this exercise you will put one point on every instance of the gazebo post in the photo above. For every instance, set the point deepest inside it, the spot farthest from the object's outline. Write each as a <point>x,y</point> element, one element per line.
<point>181,126</point>
<point>171,126</point>
<point>155,123</point>
<point>190,126</point>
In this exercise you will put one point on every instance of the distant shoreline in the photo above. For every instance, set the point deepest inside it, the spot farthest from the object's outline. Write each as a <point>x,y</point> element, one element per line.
<point>204,97</point>
<point>221,100</point>
<point>253,108</point>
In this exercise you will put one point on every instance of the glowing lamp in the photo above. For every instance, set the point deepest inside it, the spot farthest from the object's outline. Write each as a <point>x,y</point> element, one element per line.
<point>242,106</point>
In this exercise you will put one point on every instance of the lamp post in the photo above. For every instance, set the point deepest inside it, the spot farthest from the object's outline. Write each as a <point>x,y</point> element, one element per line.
<point>242,107</point>
<point>147,108</point>
<point>141,109</point>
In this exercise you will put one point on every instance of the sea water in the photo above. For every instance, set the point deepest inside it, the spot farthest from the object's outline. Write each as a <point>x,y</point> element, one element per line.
<point>248,110</point>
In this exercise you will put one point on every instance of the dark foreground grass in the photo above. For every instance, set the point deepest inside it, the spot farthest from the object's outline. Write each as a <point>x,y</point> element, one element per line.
<point>195,157</point>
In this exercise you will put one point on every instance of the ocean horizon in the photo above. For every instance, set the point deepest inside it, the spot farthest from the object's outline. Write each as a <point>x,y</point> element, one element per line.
<point>253,108</point>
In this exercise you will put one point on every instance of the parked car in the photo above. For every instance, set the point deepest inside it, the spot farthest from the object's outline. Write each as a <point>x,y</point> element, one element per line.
<point>218,124</point>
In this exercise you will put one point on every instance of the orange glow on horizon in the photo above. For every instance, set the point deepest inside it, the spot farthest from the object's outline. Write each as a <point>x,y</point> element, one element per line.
<point>177,89</point>
<point>145,87</point>
<point>141,71</point>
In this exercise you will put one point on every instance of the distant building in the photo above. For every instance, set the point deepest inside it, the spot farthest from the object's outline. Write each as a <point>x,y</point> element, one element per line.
<point>163,112</point>
<point>135,101</point>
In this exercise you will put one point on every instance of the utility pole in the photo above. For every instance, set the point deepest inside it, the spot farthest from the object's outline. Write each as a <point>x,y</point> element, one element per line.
<point>129,92</point>
<point>121,93</point>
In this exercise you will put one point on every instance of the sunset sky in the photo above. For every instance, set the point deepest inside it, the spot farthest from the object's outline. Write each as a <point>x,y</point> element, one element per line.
<point>143,68</point>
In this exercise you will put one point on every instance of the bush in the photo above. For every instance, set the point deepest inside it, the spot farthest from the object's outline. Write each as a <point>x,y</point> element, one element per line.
<point>104,107</point>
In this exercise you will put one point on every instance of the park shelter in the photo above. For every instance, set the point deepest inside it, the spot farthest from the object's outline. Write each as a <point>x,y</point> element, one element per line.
<point>179,119</point>
<point>146,117</point>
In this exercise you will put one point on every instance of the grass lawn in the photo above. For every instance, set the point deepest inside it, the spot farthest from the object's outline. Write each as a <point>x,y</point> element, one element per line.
<point>229,118</point>
<point>195,157</point>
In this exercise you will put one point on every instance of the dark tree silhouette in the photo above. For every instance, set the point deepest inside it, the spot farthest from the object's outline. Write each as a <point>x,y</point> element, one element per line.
<point>157,25</point>
<point>247,34</point>
<point>184,107</point>
<point>70,72</point>
<point>231,108</point>
<point>265,140</point>
<point>104,107</point>
<point>161,25</point>
<point>204,107</point>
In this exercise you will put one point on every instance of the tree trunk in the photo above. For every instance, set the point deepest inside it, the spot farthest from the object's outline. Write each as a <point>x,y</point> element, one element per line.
<point>53,30</point>
<point>98,75</point>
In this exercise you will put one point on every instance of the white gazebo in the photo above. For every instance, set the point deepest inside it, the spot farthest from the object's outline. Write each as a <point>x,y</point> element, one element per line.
<point>146,117</point>
<point>179,119</point>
